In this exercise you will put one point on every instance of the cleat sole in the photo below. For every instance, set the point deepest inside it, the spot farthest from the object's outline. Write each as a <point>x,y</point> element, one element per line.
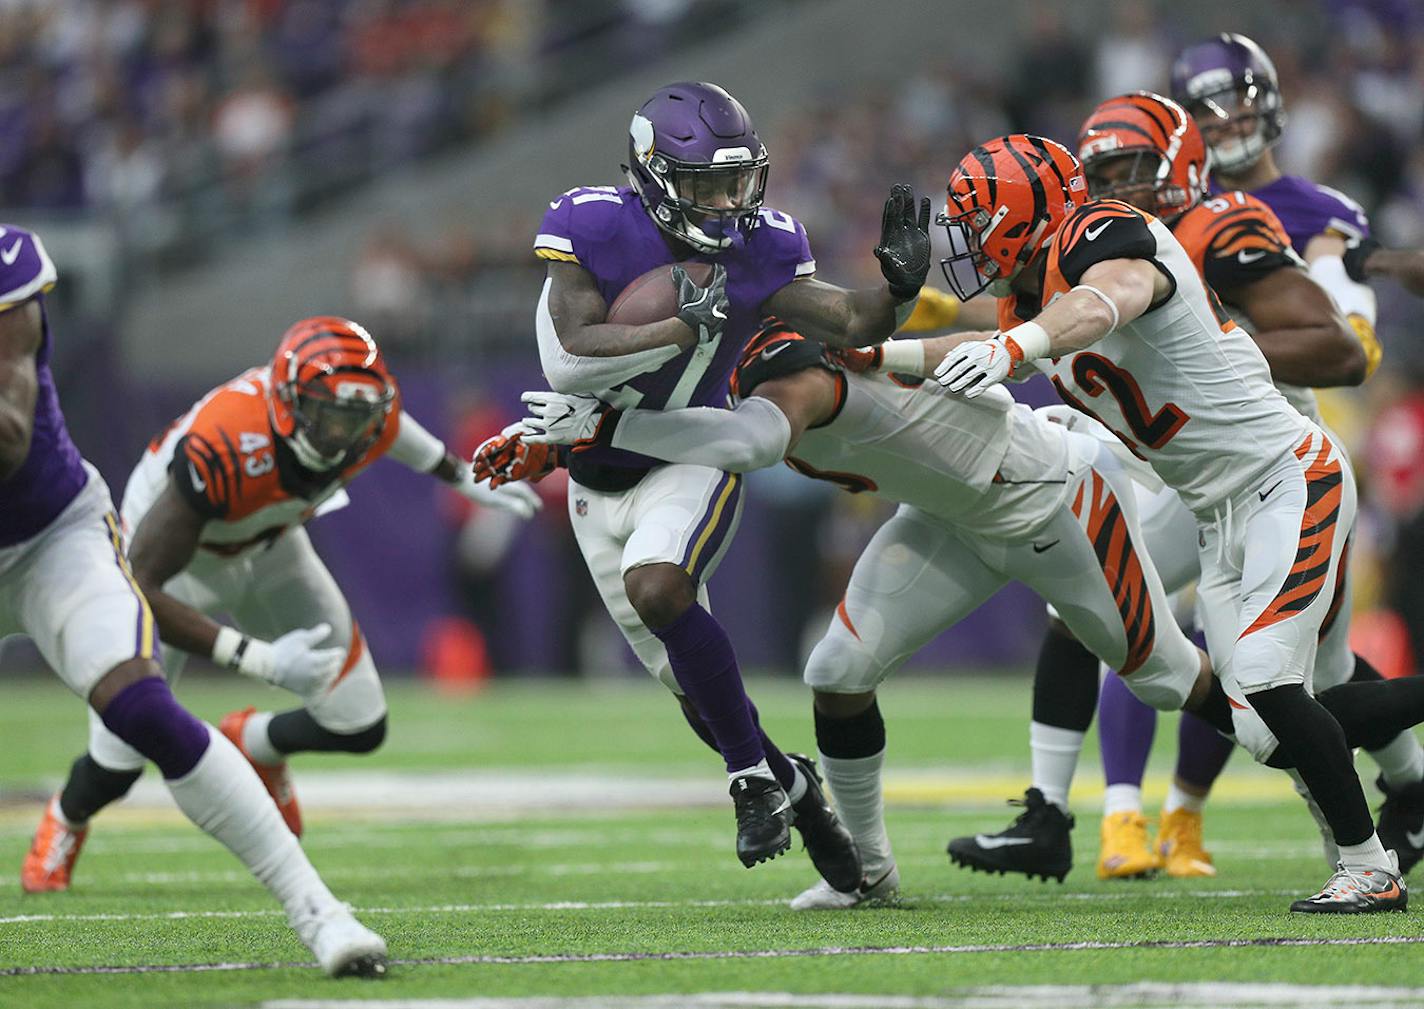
<point>369,966</point>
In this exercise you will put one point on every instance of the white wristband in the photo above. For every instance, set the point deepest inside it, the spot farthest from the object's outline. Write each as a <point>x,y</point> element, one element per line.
<point>249,656</point>
<point>1031,338</point>
<point>905,357</point>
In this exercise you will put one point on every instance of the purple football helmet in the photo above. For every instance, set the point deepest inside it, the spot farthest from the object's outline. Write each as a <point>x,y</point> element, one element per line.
<point>1226,81</point>
<point>697,164</point>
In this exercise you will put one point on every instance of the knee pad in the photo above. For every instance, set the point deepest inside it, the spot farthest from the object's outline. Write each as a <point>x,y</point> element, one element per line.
<point>1253,735</point>
<point>146,715</point>
<point>1164,693</point>
<point>842,664</point>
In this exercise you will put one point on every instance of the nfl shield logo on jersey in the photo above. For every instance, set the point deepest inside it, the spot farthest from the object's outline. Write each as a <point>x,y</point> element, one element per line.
<point>581,507</point>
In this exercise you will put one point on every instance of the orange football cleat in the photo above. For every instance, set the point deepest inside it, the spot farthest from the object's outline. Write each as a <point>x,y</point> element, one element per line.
<point>275,777</point>
<point>53,853</point>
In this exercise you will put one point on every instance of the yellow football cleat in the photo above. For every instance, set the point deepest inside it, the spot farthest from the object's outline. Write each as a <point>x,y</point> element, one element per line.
<point>1125,853</point>
<point>1179,842</point>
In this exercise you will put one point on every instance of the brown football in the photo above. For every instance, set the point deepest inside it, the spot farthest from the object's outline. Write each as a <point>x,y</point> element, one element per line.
<point>653,296</point>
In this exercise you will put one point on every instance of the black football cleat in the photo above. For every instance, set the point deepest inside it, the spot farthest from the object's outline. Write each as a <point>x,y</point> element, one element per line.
<point>1035,844</point>
<point>1401,822</point>
<point>832,849</point>
<point>763,819</point>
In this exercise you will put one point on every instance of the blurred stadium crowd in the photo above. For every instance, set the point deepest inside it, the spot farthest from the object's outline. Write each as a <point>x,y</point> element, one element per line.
<point>188,120</point>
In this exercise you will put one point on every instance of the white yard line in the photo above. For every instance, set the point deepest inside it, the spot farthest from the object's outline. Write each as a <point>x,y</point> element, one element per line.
<point>749,954</point>
<point>1205,995</point>
<point>606,905</point>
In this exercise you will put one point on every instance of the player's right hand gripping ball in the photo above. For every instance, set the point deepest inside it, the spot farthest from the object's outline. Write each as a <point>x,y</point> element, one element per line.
<point>507,457</point>
<point>904,249</point>
<point>702,309</point>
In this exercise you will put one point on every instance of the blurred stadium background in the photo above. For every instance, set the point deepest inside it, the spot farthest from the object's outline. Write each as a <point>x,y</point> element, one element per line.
<point>205,172</point>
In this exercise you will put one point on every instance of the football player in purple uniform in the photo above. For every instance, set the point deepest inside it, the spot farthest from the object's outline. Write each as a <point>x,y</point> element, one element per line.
<point>66,583</point>
<point>652,533</point>
<point>1229,85</point>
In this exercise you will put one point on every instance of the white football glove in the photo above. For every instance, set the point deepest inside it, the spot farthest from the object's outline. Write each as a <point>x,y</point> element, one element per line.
<point>561,419</point>
<point>518,498</point>
<point>972,367</point>
<point>293,662</point>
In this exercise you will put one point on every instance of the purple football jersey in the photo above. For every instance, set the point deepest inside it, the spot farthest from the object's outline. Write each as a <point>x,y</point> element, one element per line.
<point>1307,209</point>
<point>53,473</point>
<point>607,232</point>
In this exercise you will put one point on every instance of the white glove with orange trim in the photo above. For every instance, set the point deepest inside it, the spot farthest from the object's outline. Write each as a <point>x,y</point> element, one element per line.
<point>972,367</point>
<point>518,498</point>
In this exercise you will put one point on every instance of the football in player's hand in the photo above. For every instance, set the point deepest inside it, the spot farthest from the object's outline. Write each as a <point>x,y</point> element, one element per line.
<point>653,296</point>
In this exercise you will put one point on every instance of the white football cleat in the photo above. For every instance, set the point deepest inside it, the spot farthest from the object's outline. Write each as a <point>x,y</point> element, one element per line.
<point>824,897</point>
<point>341,944</point>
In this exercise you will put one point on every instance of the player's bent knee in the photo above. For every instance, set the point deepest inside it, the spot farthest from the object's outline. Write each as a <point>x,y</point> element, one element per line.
<point>147,716</point>
<point>1253,735</point>
<point>841,664</point>
<point>125,674</point>
<point>660,593</point>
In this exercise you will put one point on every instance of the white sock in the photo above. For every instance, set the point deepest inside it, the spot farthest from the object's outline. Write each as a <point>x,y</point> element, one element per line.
<point>759,770</point>
<point>1122,799</point>
<point>1180,798</point>
<point>1401,760</point>
<point>223,796</point>
<point>855,784</point>
<point>1369,855</point>
<point>1055,759</point>
<point>797,791</point>
<point>256,741</point>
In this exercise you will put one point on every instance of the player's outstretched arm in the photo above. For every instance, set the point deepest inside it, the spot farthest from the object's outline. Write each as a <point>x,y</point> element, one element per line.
<point>843,318</point>
<point>758,433</point>
<point>417,448</point>
<point>580,352</point>
<point>1370,259</point>
<point>1303,336</point>
<point>1112,293</point>
<point>163,545</point>
<point>20,332</point>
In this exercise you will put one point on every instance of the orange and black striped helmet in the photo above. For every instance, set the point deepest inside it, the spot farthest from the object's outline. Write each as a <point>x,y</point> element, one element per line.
<point>1005,200</point>
<point>331,391</point>
<point>1144,149</point>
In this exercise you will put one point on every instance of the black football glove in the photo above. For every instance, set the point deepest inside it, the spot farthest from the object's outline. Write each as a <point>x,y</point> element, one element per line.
<point>904,249</point>
<point>1356,253</point>
<point>702,309</point>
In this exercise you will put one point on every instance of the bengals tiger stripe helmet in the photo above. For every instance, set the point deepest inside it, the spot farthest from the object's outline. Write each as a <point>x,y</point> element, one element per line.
<point>331,391</point>
<point>1006,200</point>
<point>1145,150</point>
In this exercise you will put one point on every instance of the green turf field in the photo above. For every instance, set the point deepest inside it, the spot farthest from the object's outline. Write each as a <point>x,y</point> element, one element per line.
<point>477,842</point>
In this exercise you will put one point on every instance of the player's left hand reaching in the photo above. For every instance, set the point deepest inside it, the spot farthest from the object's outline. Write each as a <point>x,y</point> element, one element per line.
<point>579,421</point>
<point>904,249</point>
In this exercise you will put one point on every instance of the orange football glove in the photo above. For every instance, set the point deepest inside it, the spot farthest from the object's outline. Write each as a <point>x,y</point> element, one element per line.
<point>856,359</point>
<point>507,457</point>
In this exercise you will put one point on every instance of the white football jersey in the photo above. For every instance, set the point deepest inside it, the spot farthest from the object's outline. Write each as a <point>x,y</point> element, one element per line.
<point>1187,392</point>
<point>988,466</point>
